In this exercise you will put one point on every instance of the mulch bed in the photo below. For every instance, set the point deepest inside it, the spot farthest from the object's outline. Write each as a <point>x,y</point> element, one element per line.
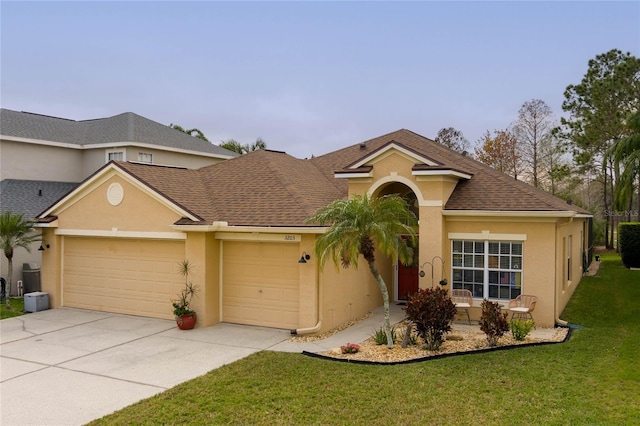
<point>458,342</point>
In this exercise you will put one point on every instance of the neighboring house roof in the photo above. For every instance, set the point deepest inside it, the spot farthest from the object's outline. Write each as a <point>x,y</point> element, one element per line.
<point>31,197</point>
<point>127,128</point>
<point>270,188</point>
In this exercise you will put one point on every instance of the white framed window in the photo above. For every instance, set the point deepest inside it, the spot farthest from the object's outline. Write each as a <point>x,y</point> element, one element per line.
<point>489,269</point>
<point>115,155</point>
<point>145,157</point>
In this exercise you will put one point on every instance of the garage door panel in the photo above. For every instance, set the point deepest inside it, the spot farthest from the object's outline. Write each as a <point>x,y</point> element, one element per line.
<point>261,284</point>
<point>136,277</point>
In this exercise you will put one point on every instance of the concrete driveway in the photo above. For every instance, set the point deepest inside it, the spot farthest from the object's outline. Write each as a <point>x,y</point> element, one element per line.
<point>70,366</point>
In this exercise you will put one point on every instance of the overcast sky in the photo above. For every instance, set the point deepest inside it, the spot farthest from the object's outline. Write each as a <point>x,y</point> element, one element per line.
<point>307,77</point>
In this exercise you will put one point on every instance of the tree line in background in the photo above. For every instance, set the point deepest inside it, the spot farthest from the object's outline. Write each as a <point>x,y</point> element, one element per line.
<point>591,157</point>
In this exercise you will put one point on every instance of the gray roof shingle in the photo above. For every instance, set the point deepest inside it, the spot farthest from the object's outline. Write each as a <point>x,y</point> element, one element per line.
<point>31,197</point>
<point>125,127</point>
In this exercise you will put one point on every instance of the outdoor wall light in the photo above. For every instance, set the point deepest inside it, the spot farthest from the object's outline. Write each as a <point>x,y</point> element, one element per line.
<point>43,246</point>
<point>304,257</point>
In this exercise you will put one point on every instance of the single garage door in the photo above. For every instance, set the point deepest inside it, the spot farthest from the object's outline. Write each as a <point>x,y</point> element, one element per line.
<point>137,277</point>
<point>260,284</point>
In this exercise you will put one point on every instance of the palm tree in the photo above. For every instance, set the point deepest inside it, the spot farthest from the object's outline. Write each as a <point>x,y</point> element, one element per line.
<point>627,153</point>
<point>363,225</point>
<point>235,146</point>
<point>15,232</point>
<point>191,132</point>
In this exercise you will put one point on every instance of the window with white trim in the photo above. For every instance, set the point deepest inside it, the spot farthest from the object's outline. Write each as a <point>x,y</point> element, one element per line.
<point>145,157</point>
<point>115,156</point>
<point>489,269</point>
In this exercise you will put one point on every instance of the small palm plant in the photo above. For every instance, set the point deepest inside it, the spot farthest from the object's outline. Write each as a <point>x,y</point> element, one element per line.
<point>181,305</point>
<point>15,232</point>
<point>362,225</point>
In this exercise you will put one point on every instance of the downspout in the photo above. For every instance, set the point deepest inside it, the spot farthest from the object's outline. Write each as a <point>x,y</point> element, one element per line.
<point>556,316</point>
<point>318,325</point>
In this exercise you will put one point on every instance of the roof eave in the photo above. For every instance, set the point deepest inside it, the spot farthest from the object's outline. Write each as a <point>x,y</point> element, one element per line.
<point>116,144</point>
<point>442,172</point>
<point>224,226</point>
<point>514,213</point>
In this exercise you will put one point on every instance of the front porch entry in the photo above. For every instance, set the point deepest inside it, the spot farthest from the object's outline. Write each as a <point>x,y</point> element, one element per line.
<point>407,276</point>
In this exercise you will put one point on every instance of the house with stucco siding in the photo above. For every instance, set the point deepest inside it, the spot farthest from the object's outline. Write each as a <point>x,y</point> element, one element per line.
<point>115,241</point>
<point>42,158</point>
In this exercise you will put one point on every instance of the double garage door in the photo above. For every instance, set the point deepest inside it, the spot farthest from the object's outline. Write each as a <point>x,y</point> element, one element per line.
<point>260,280</point>
<point>137,277</point>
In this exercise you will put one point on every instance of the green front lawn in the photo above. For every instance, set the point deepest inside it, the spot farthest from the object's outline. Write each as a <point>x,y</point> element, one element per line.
<point>592,379</point>
<point>17,308</point>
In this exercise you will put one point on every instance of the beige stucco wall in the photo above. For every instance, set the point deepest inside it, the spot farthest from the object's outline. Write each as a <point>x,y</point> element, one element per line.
<point>543,263</point>
<point>137,211</point>
<point>432,192</point>
<point>39,162</point>
<point>349,293</point>
<point>565,287</point>
<point>539,257</point>
<point>202,251</point>
<point>51,268</point>
<point>309,310</point>
<point>90,215</point>
<point>334,296</point>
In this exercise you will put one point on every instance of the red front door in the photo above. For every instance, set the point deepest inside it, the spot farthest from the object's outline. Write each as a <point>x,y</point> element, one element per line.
<point>408,277</point>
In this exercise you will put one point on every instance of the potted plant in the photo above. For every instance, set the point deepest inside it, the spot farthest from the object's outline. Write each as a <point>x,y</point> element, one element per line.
<point>185,316</point>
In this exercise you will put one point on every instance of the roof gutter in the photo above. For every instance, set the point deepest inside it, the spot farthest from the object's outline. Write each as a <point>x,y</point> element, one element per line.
<point>224,226</point>
<point>512,213</point>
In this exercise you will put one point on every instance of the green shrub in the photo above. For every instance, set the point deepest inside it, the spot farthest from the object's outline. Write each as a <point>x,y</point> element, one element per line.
<point>380,336</point>
<point>432,311</point>
<point>493,322</point>
<point>629,243</point>
<point>521,329</point>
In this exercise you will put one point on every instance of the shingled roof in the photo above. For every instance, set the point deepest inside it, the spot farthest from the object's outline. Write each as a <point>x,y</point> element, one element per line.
<point>272,189</point>
<point>261,188</point>
<point>126,127</point>
<point>488,189</point>
<point>31,197</point>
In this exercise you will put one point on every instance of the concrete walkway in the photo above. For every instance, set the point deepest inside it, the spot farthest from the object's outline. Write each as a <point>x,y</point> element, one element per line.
<point>70,366</point>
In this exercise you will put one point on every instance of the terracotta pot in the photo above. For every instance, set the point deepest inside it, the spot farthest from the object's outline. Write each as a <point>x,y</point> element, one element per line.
<point>186,322</point>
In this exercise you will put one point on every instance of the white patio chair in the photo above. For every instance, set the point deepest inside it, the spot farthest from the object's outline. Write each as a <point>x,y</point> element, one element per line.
<point>463,299</point>
<point>522,306</point>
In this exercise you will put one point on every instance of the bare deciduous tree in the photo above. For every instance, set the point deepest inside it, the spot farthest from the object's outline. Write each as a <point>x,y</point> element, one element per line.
<point>453,139</point>
<point>533,133</point>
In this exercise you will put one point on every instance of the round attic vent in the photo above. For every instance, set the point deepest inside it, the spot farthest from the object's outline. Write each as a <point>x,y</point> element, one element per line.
<point>115,194</point>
